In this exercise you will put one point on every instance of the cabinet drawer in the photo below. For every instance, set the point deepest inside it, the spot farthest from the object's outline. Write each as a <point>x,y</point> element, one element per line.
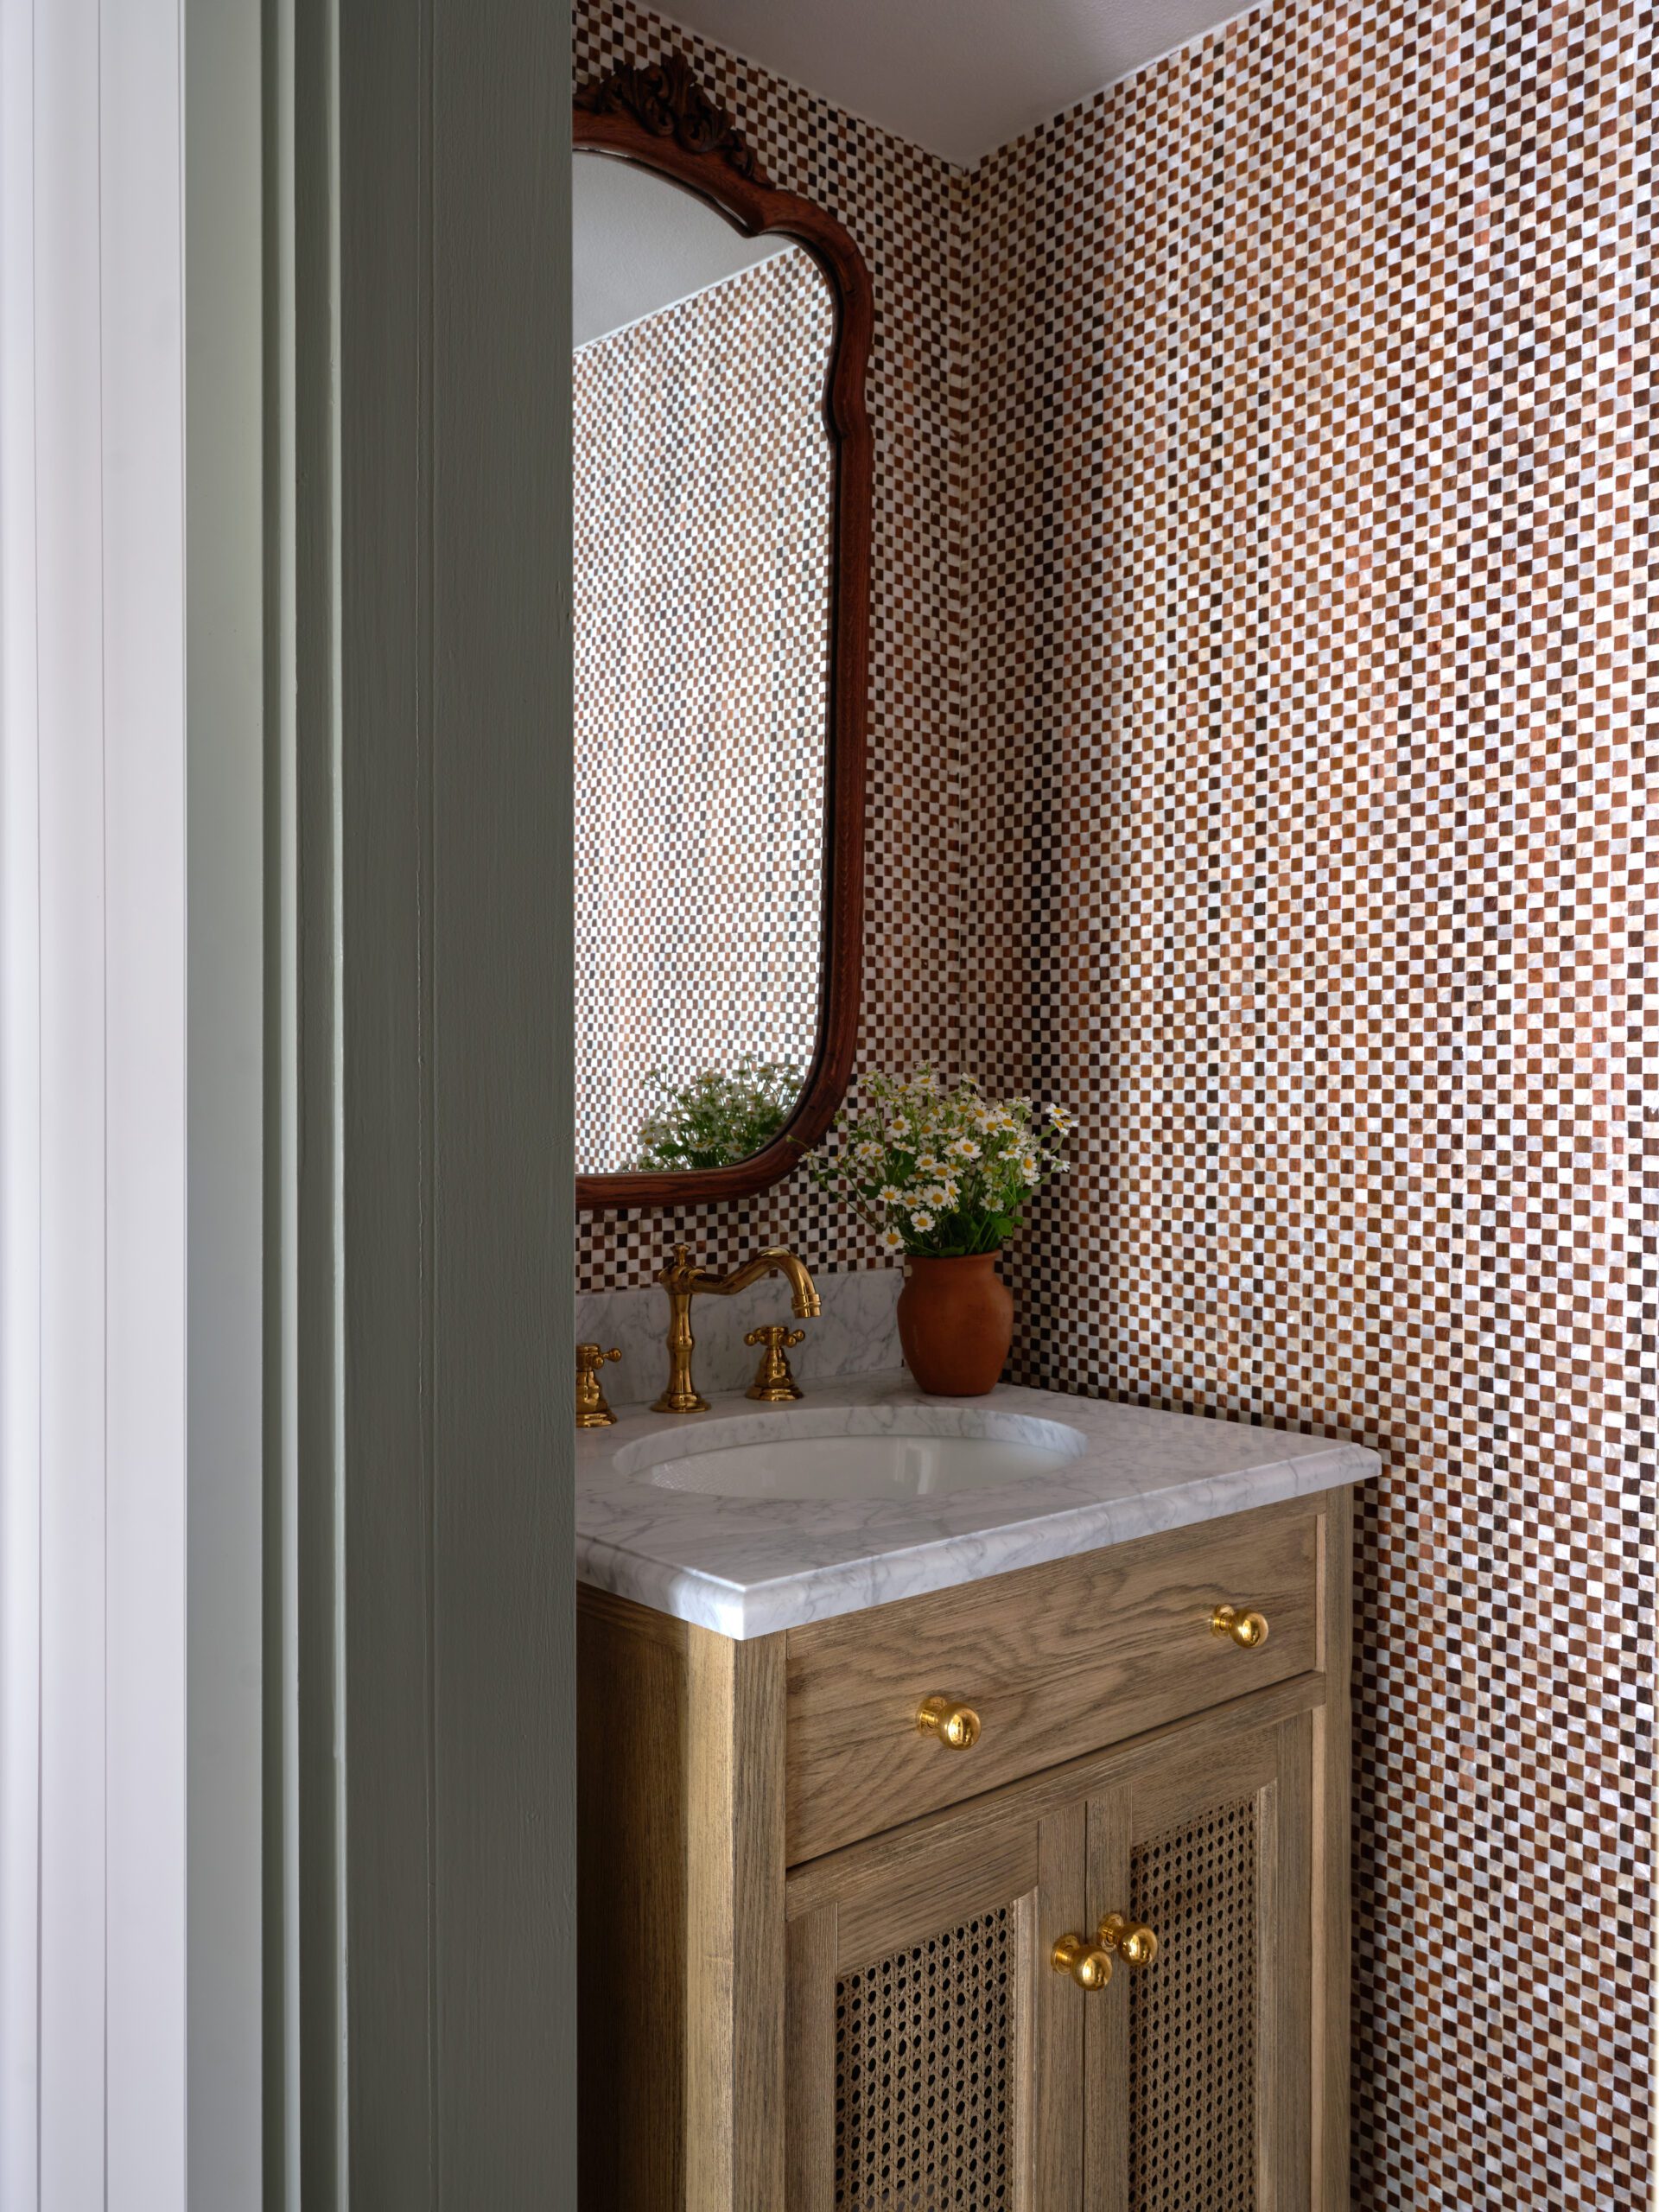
<point>1055,1661</point>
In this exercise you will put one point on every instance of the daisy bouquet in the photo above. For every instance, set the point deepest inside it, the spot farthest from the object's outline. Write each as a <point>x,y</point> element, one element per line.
<point>936,1169</point>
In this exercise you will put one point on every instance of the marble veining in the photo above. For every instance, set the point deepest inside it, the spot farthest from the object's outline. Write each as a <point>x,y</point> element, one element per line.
<point>856,1333</point>
<point>749,1566</point>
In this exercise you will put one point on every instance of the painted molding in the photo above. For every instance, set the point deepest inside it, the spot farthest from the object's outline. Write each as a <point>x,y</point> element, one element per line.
<point>92,1323</point>
<point>96,900</point>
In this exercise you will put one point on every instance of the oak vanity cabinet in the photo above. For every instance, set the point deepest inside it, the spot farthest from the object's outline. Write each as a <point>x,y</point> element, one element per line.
<point>914,1970</point>
<point>935,2055</point>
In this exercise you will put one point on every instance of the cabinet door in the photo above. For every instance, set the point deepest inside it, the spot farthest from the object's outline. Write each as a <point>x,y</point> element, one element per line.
<point>1198,2067</point>
<point>934,2057</point>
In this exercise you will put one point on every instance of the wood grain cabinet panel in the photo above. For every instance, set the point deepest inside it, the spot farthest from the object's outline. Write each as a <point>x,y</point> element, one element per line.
<point>930,2059</point>
<point>1196,2083</point>
<point>880,2026</point>
<point>1055,1661</point>
<point>936,2056</point>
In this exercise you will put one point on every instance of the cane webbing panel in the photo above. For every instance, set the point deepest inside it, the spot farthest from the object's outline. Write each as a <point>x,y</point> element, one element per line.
<point>923,2065</point>
<point>1193,2018</point>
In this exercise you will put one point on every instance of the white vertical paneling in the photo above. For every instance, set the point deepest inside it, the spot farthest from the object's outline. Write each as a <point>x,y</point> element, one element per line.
<point>19,1134</point>
<point>96,1138</point>
<point>69,567</point>
<point>142,291</point>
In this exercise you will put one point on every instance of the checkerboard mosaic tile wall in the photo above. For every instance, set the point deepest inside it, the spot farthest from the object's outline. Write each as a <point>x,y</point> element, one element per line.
<point>1262,482</point>
<point>897,201</point>
<point>1305,481</point>
<point>702,474</point>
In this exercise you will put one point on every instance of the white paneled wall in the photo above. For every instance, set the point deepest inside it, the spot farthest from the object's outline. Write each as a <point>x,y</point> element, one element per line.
<point>92,477</point>
<point>20,1134</point>
<point>97,1087</point>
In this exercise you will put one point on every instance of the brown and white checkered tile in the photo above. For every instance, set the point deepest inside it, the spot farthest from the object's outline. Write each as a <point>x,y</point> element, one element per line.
<point>1308,417</point>
<point>701,481</point>
<point>1257,712</point>
<point>897,202</point>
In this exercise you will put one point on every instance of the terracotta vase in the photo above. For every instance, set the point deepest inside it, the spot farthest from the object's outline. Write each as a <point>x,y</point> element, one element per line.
<point>956,1323</point>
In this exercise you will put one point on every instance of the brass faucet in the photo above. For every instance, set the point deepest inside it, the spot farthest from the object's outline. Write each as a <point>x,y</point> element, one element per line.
<point>683,1280</point>
<point>774,1384</point>
<point>592,1412</point>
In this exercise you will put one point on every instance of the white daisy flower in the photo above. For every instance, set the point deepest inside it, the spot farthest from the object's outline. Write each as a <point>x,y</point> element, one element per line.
<point>921,1220</point>
<point>869,1150</point>
<point>891,1195</point>
<point>963,1148</point>
<point>892,1240</point>
<point>1059,1117</point>
<point>936,1195</point>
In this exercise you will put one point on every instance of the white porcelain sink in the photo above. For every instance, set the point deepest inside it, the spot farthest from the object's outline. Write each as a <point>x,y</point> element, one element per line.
<point>897,1455</point>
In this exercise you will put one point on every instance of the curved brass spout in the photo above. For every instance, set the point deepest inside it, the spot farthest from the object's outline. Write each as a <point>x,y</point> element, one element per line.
<point>683,1280</point>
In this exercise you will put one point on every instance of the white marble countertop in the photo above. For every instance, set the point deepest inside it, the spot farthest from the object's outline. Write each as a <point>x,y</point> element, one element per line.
<point>749,1567</point>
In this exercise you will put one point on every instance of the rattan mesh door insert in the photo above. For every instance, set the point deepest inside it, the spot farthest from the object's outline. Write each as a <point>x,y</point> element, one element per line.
<point>1193,2018</point>
<point>924,2073</point>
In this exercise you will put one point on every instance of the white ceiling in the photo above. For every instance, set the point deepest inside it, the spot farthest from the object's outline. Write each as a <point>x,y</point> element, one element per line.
<point>638,244</point>
<point>959,77</point>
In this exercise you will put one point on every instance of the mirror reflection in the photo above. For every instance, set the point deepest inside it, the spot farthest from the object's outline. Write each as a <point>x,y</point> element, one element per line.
<point>703,479</point>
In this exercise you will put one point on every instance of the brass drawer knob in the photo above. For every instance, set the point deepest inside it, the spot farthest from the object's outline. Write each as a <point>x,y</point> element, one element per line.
<point>1248,1630</point>
<point>1089,1965</point>
<point>956,1727</point>
<point>1136,1945</point>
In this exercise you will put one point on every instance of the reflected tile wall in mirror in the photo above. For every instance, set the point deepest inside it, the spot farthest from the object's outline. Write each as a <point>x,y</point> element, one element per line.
<point>897,201</point>
<point>701,496</point>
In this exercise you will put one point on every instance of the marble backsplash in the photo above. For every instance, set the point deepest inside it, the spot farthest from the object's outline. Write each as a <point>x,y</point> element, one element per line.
<point>856,1334</point>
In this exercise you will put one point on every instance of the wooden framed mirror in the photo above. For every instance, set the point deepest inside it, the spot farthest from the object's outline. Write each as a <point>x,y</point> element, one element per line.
<point>722,610</point>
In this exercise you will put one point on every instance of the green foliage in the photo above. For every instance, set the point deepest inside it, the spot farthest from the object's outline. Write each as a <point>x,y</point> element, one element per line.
<point>936,1171</point>
<point>720,1117</point>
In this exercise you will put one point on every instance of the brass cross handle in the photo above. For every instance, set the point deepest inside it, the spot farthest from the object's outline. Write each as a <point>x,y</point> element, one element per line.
<point>1089,1965</point>
<point>592,1412</point>
<point>1136,1945</point>
<point>1248,1630</point>
<point>774,1384</point>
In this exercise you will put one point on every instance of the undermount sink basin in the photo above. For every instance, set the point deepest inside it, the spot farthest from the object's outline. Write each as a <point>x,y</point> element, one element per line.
<point>924,1452</point>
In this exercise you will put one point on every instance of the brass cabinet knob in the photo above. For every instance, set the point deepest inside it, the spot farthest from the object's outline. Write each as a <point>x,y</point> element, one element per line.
<point>1089,1965</point>
<point>1136,1945</point>
<point>1248,1630</point>
<point>956,1727</point>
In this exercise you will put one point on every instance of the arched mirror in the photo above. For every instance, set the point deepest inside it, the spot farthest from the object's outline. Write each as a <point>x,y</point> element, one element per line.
<point>722,489</point>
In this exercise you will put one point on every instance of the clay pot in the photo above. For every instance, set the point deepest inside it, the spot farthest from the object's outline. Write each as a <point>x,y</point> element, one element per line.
<point>956,1323</point>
